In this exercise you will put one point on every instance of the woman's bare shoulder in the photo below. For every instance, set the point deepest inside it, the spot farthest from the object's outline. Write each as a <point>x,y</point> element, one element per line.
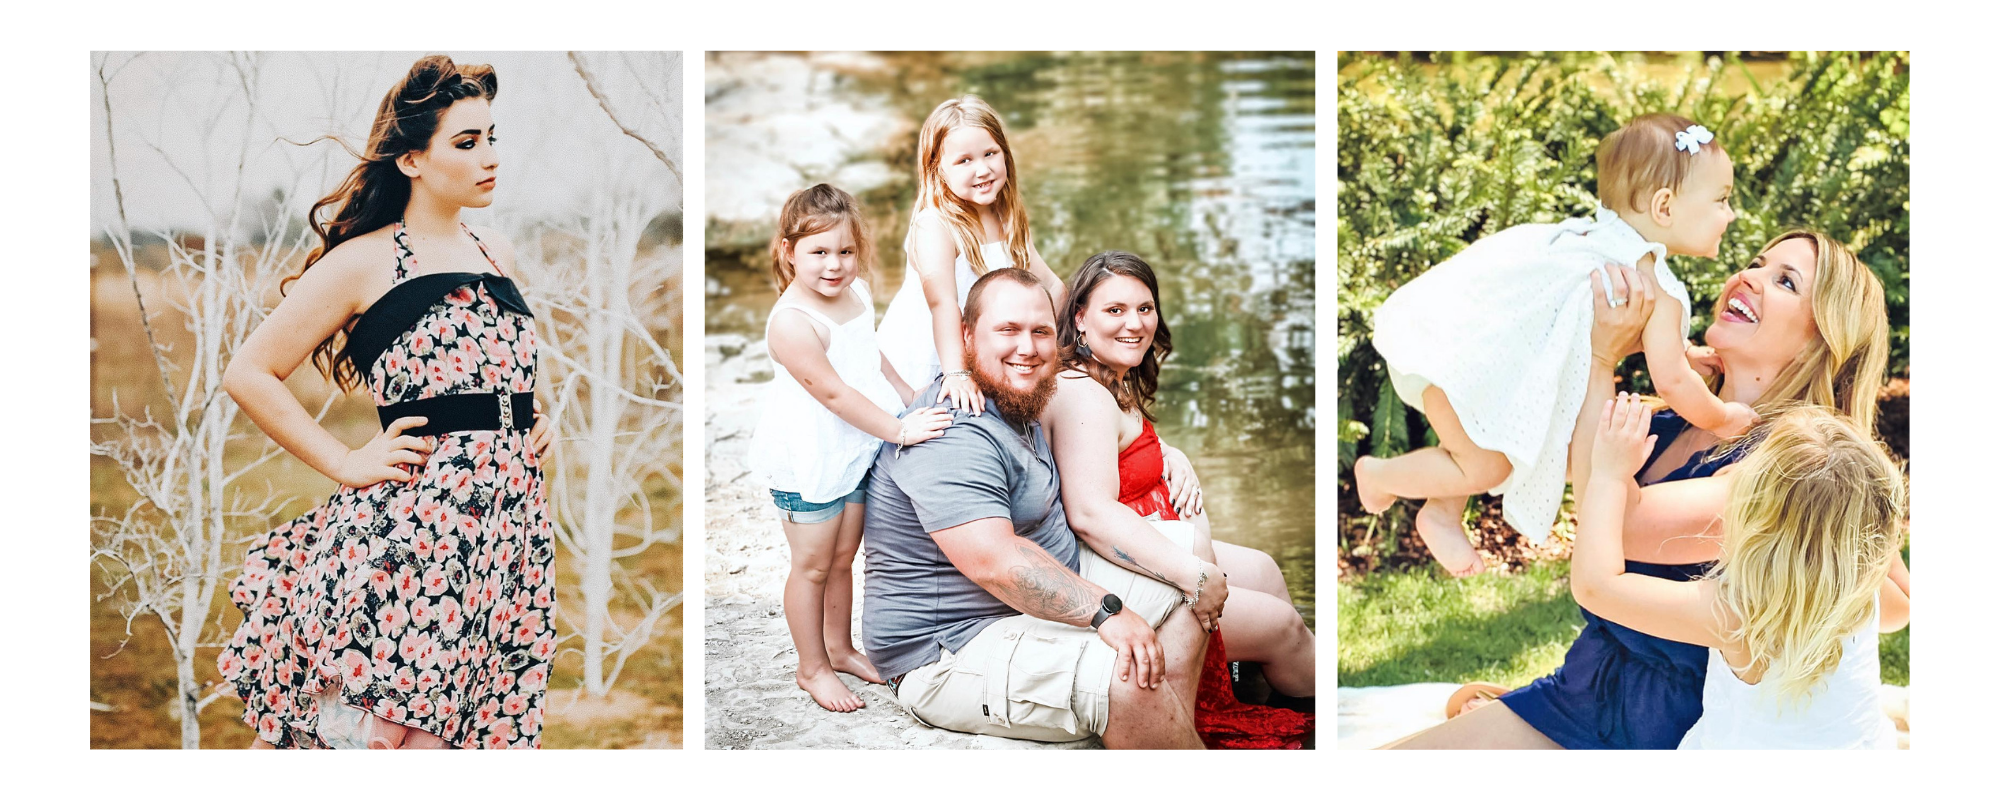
<point>353,262</point>
<point>1079,394</point>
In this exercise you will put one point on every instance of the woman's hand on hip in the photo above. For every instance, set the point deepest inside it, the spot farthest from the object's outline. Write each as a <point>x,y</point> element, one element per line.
<point>1621,309</point>
<point>381,459</point>
<point>543,434</point>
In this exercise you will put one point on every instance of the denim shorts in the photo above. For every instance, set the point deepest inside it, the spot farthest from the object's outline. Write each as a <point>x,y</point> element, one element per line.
<point>794,508</point>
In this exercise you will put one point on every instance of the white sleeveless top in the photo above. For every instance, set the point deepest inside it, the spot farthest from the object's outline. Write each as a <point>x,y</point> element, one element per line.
<point>1844,712</point>
<point>907,338</point>
<point>800,446</point>
<point>1504,329</point>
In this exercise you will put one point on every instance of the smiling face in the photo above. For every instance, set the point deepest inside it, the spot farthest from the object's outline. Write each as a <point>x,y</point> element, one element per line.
<point>1701,210</point>
<point>826,262</point>
<point>973,165</point>
<point>1118,320</point>
<point>460,166</point>
<point>1766,310</point>
<point>1010,347</point>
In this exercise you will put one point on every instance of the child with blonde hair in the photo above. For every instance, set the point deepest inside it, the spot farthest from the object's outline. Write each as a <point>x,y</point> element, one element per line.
<point>968,220</point>
<point>1493,345</point>
<point>1812,529</point>
<point>832,400</point>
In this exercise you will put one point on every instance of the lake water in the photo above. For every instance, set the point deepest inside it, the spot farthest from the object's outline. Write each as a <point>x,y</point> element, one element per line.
<point>1201,163</point>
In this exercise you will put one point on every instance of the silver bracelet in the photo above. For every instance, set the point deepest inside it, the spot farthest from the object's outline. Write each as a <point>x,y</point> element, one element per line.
<point>1200,580</point>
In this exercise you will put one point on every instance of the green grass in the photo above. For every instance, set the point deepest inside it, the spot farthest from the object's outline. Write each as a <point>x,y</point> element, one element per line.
<point>1419,626</point>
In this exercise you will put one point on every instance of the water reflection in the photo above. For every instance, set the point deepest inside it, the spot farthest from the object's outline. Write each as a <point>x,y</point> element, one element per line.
<point>1202,163</point>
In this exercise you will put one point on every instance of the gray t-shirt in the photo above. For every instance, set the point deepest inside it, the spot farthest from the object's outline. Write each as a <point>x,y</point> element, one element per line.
<point>915,601</point>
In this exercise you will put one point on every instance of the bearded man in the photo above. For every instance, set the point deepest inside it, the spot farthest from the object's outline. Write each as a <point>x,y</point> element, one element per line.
<point>980,606</point>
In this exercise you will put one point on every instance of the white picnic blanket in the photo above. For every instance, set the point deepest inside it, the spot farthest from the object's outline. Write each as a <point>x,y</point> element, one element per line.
<point>1373,716</point>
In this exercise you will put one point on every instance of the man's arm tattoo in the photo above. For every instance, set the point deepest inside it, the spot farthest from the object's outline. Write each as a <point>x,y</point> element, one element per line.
<point>1127,558</point>
<point>1046,589</point>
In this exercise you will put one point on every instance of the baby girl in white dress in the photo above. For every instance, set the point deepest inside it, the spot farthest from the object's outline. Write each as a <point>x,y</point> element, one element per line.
<point>1493,345</point>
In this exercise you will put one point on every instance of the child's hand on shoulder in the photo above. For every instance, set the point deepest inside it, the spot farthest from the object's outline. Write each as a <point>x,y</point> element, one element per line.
<point>1624,438</point>
<point>923,425</point>
<point>961,393</point>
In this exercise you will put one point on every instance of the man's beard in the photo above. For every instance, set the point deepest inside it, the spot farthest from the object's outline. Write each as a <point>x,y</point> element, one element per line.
<point>1019,407</point>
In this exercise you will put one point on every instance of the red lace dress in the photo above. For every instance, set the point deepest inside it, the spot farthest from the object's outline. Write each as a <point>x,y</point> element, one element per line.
<point>1223,721</point>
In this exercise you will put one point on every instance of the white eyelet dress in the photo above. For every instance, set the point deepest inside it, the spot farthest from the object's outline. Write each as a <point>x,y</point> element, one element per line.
<point>1844,712</point>
<point>907,337</point>
<point>1504,329</point>
<point>799,445</point>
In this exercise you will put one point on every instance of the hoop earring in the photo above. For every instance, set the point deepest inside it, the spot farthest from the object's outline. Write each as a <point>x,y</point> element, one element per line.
<point>1083,349</point>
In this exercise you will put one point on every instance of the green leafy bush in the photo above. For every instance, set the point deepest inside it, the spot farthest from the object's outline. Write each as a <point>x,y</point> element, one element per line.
<point>1434,156</point>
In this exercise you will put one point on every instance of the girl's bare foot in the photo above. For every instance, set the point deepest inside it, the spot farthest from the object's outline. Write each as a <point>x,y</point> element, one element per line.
<point>827,690</point>
<point>1372,500</point>
<point>854,663</point>
<point>1440,523</point>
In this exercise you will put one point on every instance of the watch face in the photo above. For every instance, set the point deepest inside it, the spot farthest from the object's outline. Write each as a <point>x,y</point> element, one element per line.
<point>1112,604</point>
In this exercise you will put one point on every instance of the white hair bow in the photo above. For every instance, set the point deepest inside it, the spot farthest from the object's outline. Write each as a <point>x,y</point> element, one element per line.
<point>1692,139</point>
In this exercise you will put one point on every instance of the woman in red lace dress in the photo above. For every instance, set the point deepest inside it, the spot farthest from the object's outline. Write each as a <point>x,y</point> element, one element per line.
<point>1114,469</point>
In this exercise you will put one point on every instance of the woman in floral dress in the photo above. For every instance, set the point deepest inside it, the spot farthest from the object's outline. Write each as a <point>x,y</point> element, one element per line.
<point>414,609</point>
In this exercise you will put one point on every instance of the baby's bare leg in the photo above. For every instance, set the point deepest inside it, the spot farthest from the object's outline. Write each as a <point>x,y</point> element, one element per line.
<point>1454,468</point>
<point>1445,475</point>
<point>1441,524</point>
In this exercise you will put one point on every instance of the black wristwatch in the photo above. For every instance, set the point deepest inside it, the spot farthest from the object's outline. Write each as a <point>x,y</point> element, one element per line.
<point>1106,610</point>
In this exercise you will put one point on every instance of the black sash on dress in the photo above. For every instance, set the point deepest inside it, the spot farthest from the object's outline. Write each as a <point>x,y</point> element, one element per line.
<point>409,301</point>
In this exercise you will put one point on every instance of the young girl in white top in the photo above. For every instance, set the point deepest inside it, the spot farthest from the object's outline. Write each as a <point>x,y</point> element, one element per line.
<point>1813,525</point>
<point>968,220</point>
<point>832,401</point>
<point>1493,345</point>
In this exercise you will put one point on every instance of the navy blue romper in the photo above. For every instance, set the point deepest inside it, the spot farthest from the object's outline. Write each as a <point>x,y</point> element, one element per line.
<point>1620,689</point>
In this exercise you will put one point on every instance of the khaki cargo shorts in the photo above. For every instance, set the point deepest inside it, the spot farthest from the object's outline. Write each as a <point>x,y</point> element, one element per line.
<point>1028,678</point>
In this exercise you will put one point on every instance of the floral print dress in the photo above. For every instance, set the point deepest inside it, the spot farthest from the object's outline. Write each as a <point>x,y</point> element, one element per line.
<point>426,603</point>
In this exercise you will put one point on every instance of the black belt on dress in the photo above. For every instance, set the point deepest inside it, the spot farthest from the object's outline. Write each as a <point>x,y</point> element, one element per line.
<point>472,411</point>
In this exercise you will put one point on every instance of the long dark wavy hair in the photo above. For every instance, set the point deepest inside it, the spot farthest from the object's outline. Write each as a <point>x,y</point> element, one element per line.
<point>376,192</point>
<point>1137,388</point>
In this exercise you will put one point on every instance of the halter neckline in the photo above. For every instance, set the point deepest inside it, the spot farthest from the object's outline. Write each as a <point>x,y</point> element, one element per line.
<point>406,258</point>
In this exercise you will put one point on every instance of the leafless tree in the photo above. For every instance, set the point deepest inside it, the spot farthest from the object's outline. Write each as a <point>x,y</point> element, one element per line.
<point>162,557</point>
<point>612,287</point>
<point>604,277</point>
